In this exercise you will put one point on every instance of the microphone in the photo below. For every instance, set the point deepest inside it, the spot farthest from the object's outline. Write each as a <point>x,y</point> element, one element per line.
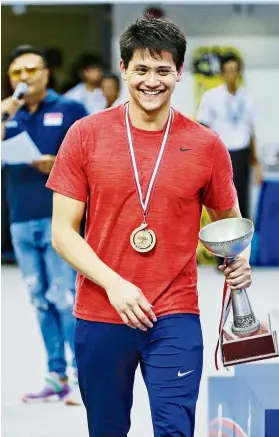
<point>19,93</point>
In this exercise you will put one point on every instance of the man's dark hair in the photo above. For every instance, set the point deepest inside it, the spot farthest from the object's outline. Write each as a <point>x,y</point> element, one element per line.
<point>88,60</point>
<point>24,50</point>
<point>113,77</point>
<point>155,35</point>
<point>229,58</point>
<point>54,57</point>
<point>154,12</point>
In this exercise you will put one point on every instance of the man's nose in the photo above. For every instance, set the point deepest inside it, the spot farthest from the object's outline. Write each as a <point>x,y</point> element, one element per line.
<point>23,75</point>
<point>152,80</point>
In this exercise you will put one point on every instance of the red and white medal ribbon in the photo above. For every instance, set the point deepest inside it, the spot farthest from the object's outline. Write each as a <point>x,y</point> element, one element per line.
<point>226,307</point>
<point>144,204</point>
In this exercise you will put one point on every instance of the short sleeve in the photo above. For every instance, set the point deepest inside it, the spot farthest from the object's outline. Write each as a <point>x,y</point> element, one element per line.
<point>68,176</point>
<point>12,129</point>
<point>220,192</point>
<point>204,113</point>
<point>79,112</point>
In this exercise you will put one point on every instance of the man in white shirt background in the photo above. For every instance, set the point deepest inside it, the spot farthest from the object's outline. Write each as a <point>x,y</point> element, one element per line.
<point>228,110</point>
<point>88,91</point>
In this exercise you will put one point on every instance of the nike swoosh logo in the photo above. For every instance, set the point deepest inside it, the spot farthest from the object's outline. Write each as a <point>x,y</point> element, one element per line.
<point>184,374</point>
<point>184,150</point>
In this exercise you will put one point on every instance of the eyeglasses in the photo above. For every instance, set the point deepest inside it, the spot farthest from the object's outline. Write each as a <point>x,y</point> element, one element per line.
<point>30,70</point>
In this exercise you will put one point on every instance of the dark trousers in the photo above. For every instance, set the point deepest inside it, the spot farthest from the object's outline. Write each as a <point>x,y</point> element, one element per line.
<point>241,175</point>
<point>170,356</point>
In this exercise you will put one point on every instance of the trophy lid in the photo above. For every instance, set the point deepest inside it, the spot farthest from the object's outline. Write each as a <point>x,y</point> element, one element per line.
<point>228,237</point>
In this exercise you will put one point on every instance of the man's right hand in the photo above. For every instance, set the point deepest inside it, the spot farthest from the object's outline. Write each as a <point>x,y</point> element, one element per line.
<point>131,304</point>
<point>11,105</point>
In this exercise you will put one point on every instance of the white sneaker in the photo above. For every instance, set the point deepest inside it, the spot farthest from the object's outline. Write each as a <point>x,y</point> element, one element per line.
<point>74,396</point>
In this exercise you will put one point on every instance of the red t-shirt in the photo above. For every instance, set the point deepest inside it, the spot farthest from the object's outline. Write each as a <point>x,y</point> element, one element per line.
<point>94,166</point>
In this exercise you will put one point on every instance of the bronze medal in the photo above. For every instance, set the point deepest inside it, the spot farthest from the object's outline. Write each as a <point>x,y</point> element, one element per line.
<point>143,240</point>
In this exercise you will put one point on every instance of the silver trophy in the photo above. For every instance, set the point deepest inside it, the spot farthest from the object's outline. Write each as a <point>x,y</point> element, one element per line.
<point>250,340</point>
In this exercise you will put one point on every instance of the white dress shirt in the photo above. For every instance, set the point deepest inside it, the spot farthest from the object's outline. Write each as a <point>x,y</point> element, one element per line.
<point>231,116</point>
<point>93,101</point>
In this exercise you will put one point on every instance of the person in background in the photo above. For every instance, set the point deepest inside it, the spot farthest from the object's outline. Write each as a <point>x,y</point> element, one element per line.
<point>46,117</point>
<point>111,89</point>
<point>228,110</point>
<point>88,91</point>
<point>55,60</point>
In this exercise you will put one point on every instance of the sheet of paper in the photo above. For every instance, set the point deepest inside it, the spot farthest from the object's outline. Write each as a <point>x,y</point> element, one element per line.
<point>20,149</point>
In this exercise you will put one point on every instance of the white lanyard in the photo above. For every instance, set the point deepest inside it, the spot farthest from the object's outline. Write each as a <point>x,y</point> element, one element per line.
<point>145,203</point>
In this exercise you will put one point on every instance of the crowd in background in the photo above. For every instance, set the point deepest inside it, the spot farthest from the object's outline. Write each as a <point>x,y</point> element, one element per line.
<point>89,69</point>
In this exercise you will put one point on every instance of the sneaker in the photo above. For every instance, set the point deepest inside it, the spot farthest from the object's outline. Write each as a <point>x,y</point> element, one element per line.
<point>54,390</point>
<point>74,396</point>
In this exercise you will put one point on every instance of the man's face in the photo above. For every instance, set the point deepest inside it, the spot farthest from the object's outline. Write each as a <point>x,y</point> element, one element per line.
<point>110,90</point>
<point>151,81</point>
<point>30,69</point>
<point>93,76</point>
<point>231,73</point>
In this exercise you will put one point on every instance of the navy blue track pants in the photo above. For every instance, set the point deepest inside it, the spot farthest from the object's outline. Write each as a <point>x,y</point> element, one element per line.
<point>170,356</point>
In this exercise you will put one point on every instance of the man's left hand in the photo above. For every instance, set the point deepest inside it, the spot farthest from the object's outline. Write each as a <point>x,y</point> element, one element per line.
<point>238,273</point>
<point>44,164</point>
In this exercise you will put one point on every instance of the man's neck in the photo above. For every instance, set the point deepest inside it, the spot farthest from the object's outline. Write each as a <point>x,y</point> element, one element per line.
<point>232,89</point>
<point>151,121</point>
<point>32,102</point>
<point>89,87</point>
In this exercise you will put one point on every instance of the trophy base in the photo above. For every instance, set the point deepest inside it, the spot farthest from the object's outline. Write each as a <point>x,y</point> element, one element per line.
<point>256,347</point>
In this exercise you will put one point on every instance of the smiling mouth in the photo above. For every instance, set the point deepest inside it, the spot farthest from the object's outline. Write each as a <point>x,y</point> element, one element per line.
<point>152,93</point>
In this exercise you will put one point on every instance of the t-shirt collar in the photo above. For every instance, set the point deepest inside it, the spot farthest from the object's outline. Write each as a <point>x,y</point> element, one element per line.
<point>238,93</point>
<point>50,97</point>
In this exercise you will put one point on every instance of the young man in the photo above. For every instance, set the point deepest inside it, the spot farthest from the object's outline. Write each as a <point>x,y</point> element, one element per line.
<point>45,116</point>
<point>145,170</point>
<point>111,89</point>
<point>88,92</point>
<point>228,110</point>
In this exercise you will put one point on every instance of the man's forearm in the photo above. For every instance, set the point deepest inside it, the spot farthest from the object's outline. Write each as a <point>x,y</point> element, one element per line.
<point>79,254</point>
<point>246,253</point>
<point>3,131</point>
<point>253,153</point>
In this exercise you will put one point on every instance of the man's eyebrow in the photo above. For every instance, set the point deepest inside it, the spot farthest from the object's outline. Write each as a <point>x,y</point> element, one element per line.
<point>140,66</point>
<point>165,67</point>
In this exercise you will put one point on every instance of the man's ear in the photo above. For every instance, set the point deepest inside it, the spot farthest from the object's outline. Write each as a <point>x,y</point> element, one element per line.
<point>179,74</point>
<point>123,70</point>
<point>47,75</point>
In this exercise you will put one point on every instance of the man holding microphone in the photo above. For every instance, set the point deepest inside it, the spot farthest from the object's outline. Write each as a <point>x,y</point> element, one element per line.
<point>46,117</point>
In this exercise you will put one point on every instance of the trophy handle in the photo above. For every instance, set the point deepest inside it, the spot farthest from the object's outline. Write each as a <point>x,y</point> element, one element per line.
<point>244,320</point>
